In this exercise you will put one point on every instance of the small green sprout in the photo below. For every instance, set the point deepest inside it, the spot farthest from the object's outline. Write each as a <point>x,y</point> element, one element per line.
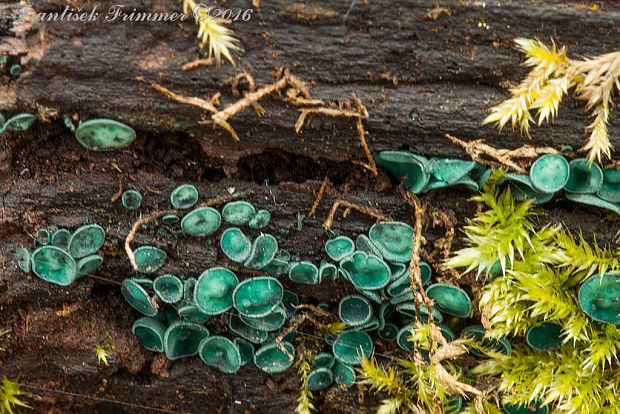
<point>9,393</point>
<point>304,401</point>
<point>102,355</point>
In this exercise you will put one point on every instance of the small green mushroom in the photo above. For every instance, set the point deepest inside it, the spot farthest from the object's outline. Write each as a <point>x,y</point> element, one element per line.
<point>599,298</point>
<point>610,189</point>
<point>409,309</point>
<point>258,296</point>
<point>188,289</point>
<point>86,240</point>
<point>260,220</point>
<point>170,219</point>
<point>304,272</point>
<point>399,269</point>
<point>15,70</point>
<point>549,173</point>
<point>394,239</point>
<point>319,379</point>
<point>584,177</point>
<point>264,250</point>
<point>246,350</point>
<point>150,333</point>
<point>54,265</point>
<point>248,333</point>
<point>137,297</point>
<point>272,360</point>
<point>213,293</point>
<point>149,259</point>
<point>343,374</point>
<point>104,135</point>
<point>364,244</point>
<point>449,170</point>
<point>522,189</point>
<point>404,163</point>
<point>355,310</point>
<point>339,247</point>
<point>533,408</point>
<point>184,196</point>
<point>271,322</point>
<point>477,333</point>
<point>385,311</point>
<point>131,199</point>
<point>22,256</point>
<point>20,122</point>
<point>289,301</point>
<point>593,200</point>
<point>547,336</point>
<point>366,272</point>
<point>402,338</point>
<point>191,313</point>
<point>323,360</point>
<point>201,221</point>
<point>349,347</point>
<point>327,271</point>
<point>182,338</point>
<point>389,332</point>
<point>238,213</point>
<point>43,237</point>
<point>450,299</point>
<point>235,245</point>
<point>60,238</point>
<point>221,353</point>
<point>169,288</point>
<point>87,264</point>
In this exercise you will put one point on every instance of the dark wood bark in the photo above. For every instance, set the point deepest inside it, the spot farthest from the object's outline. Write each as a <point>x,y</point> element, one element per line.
<point>419,77</point>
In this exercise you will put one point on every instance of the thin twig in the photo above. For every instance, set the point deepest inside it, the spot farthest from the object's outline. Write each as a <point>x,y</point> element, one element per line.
<point>318,197</point>
<point>195,63</point>
<point>201,103</point>
<point>373,212</point>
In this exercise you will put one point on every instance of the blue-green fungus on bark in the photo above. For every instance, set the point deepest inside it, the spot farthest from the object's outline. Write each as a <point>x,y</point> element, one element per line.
<point>549,173</point>
<point>394,239</point>
<point>584,177</point>
<point>389,332</point>
<point>182,338</point>
<point>248,333</point>
<point>404,163</point>
<point>339,247</point>
<point>238,213</point>
<point>246,350</point>
<point>258,296</point>
<point>87,264</point>
<point>323,360</point>
<point>343,374</point>
<point>15,70</point>
<point>104,135</point>
<point>264,250</point>
<point>449,171</point>
<point>131,199</point>
<point>522,188</point>
<point>328,271</point>
<point>169,288</point>
<point>260,220</point>
<point>86,240</point>
<point>20,122</point>
<point>54,265</point>
<point>402,338</point>
<point>271,322</point>
<point>149,259</point>
<point>43,237</point>
<point>213,293</point>
<point>170,219</point>
<point>202,221</point>
<point>610,189</point>
<point>221,353</point>
<point>319,379</point>
<point>599,298</point>
<point>22,256</point>
<point>137,296</point>
<point>184,196</point>
<point>548,336</point>
<point>289,301</point>
<point>60,238</point>
<point>355,310</point>
<point>191,313</point>
<point>450,299</point>
<point>235,245</point>
<point>349,347</point>
<point>189,285</point>
<point>593,200</point>
<point>477,333</point>
<point>534,408</point>
<point>150,333</point>
<point>272,360</point>
<point>304,272</point>
<point>364,244</point>
<point>366,272</point>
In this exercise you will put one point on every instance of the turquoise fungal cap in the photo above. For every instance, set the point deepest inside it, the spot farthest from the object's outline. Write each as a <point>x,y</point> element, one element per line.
<point>289,301</point>
<point>385,311</point>
<point>86,240</point>
<point>184,196</point>
<point>404,163</point>
<point>343,374</point>
<point>137,297</point>
<point>394,239</point>
<point>327,271</point>
<point>449,170</point>
<point>15,70</point>
<point>104,135</point>
<point>271,322</point>
<point>398,270</point>
<point>364,244</point>
<point>522,188</point>
<point>599,298</point>
<point>610,189</point>
<point>339,247</point>
<point>304,272</point>
<point>453,405</point>
<point>355,310</point>
<point>88,264</point>
<point>60,238</point>
<point>182,339</point>
<point>534,408</point>
<point>236,325</point>
<point>238,213</point>
<point>213,293</point>
<point>547,336</point>
<point>221,353</point>
<point>584,177</point>
<point>150,333</point>
<point>170,219</point>
<point>389,332</point>
<point>169,288</point>
<point>260,220</point>
<point>258,296</point>
<point>202,221</point>
<point>319,379</point>
<point>235,245</point>
<point>191,313</point>
<point>246,350</point>
<point>549,173</point>
<point>477,332</point>
<point>450,299</point>
<point>131,200</point>
<point>402,338</point>
<point>349,347</point>
<point>323,360</point>
<point>149,259</point>
<point>189,285</point>
<point>366,272</point>
<point>264,250</point>
<point>409,309</point>
<point>54,265</point>
<point>271,359</point>
<point>593,200</point>
<point>19,122</point>
<point>22,256</point>
<point>43,237</point>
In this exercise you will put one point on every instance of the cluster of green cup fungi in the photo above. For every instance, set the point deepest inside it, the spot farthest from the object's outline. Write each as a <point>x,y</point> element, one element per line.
<point>579,180</point>
<point>19,122</point>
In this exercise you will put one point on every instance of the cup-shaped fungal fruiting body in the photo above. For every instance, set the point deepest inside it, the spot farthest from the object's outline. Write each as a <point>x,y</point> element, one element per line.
<point>54,265</point>
<point>349,347</point>
<point>238,213</point>
<point>549,173</point>
<point>610,188</point>
<point>149,259</point>
<point>522,188</point>
<point>364,244</point>
<point>404,163</point>
<point>213,293</point>
<point>221,353</point>
<point>88,264</point>
<point>264,250</point>
<point>271,359</point>
<point>246,350</point>
<point>323,360</point>
<point>304,272</point>
<point>201,221</point>
<point>20,122</point>
<point>366,272</point>
<point>169,288</point>
<point>271,322</point>
<point>394,239</point>
<point>584,177</point>
<point>131,200</point>
<point>237,326</point>
<point>137,296</point>
<point>22,256</point>
<point>343,374</point>
<point>235,245</point>
<point>389,332</point>
<point>599,298</point>
<point>319,379</point>
<point>150,333</point>
<point>182,339</point>
<point>260,220</point>
<point>339,247</point>
<point>258,296</point>
<point>184,196</point>
<point>104,135</point>
<point>355,310</point>
<point>547,336</point>
<point>60,238</point>
<point>86,240</point>
<point>450,299</point>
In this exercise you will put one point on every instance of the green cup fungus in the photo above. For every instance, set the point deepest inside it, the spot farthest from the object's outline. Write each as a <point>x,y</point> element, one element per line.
<point>533,408</point>
<point>170,219</point>
<point>60,238</point>
<point>593,200</point>
<point>169,288</point>
<point>54,265</point>
<point>319,379</point>
<point>385,311</point>
<point>238,213</point>
<point>248,333</point>
<point>138,297</point>
<point>131,200</point>
<point>87,264</point>
<point>184,196</point>
<point>406,296</point>
<point>584,177</point>
<point>150,333</point>
<point>20,122</point>
<point>43,237</point>
<point>522,189</point>
<point>366,272</point>
<point>201,221</point>
<point>246,350</point>
<point>599,298</point>
<point>22,256</point>
<point>15,70</point>
<point>271,322</point>
<point>349,347</point>
<point>394,239</point>
<point>189,285</point>
<point>404,163</point>
<point>355,310</point>
<point>264,250</point>
<point>389,332</point>
<point>398,270</point>
<point>149,259</point>
<point>549,173</point>
<point>372,325</point>
<point>364,244</point>
<point>477,333</point>
<point>323,360</point>
<point>104,135</point>
<point>213,293</point>
<point>610,189</point>
<point>272,360</point>
<point>191,313</point>
<point>450,171</point>
<point>289,301</point>
<point>258,296</point>
<point>182,339</point>
<point>235,245</point>
<point>402,338</point>
<point>304,272</point>
<point>446,332</point>
<point>86,240</point>
<point>327,271</point>
<point>453,405</point>
<point>339,247</point>
<point>343,374</point>
<point>547,336</point>
<point>409,309</point>
<point>221,353</point>
<point>450,299</point>
<point>260,220</point>
<point>374,295</point>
